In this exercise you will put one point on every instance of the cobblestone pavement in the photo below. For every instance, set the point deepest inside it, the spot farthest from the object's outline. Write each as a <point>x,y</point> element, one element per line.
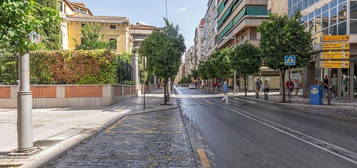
<point>148,140</point>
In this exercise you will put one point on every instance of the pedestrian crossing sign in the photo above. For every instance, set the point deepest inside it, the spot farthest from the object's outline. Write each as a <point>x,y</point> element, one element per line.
<point>290,60</point>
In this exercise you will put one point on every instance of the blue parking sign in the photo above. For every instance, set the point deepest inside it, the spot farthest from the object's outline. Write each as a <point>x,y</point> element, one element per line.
<point>290,60</point>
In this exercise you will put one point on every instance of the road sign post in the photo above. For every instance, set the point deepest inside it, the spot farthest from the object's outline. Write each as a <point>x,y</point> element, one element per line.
<point>290,60</point>
<point>335,55</point>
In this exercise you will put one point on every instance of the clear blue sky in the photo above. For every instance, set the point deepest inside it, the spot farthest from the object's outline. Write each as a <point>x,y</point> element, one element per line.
<point>185,13</point>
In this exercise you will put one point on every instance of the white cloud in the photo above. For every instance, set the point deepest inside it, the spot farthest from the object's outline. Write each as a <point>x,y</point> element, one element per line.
<point>181,10</point>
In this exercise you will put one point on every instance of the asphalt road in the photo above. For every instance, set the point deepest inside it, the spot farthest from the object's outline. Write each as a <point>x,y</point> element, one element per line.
<point>246,134</point>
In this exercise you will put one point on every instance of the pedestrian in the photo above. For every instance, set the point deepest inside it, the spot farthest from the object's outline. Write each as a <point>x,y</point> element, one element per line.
<point>289,87</point>
<point>326,86</point>
<point>297,86</point>
<point>266,87</point>
<point>334,85</point>
<point>225,91</point>
<point>258,86</point>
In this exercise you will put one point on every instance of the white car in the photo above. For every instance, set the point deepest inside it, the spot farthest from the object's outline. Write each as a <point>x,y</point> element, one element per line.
<point>192,86</point>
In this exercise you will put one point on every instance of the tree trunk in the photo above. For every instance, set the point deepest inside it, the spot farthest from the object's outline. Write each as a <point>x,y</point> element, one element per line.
<point>165,92</point>
<point>283,84</point>
<point>245,86</point>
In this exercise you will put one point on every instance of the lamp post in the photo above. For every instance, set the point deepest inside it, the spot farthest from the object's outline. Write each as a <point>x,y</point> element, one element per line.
<point>24,104</point>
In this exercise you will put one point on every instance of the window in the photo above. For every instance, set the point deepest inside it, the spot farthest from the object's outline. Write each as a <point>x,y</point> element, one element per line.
<point>318,25</point>
<point>311,25</point>
<point>333,4</point>
<point>342,28</point>
<point>333,30</point>
<point>325,20</point>
<point>60,6</point>
<point>353,10</point>
<point>342,12</point>
<point>333,16</point>
<point>113,44</point>
<point>353,27</point>
<point>113,26</point>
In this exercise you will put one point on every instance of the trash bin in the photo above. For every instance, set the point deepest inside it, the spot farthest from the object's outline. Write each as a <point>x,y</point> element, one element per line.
<point>316,95</point>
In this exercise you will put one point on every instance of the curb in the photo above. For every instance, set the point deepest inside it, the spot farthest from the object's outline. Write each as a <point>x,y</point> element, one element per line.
<point>59,149</point>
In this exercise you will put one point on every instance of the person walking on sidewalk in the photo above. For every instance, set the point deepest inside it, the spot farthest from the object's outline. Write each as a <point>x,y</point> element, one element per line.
<point>266,87</point>
<point>225,91</point>
<point>258,86</point>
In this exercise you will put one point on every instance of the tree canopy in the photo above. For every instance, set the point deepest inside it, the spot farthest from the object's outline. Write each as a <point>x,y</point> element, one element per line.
<point>282,36</point>
<point>246,59</point>
<point>92,39</point>
<point>164,49</point>
<point>18,19</point>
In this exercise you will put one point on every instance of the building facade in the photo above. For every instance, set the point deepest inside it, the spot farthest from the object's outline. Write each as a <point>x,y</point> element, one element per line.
<point>138,33</point>
<point>209,29</point>
<point>199,47</point>
<point>238,21</point>
<point>75,15</point>
<point>330,17</point>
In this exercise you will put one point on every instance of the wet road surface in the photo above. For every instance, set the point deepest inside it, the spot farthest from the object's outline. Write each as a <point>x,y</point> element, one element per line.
<point>245,134</point>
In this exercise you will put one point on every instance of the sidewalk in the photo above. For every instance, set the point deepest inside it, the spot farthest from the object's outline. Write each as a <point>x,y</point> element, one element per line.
<point>57,129</point>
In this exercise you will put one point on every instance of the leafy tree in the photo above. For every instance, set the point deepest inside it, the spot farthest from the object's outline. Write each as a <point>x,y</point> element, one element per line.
<point>52,34</point>
<point>92,39</point>
<point>246,60</point>
<point>281,36</point>
<point>163,49</point>
<point>18,19</point>
<point>195,74</point>
<point>221,63</point>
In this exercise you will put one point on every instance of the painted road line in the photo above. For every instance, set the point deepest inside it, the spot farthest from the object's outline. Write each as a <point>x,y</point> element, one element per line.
<point>203,158</point>
<point>244,100</point>
<point>318,143</point>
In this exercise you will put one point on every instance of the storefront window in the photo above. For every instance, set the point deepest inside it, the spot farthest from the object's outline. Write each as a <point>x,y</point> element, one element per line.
<point>342,28</point>
<point>333,30</point>
<point>353,27</point>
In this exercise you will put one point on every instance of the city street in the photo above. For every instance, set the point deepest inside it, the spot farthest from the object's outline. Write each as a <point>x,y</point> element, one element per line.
<point>249,134</point>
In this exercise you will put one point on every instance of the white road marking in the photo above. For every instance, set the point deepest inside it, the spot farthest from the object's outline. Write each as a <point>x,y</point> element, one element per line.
<point>318,143</point>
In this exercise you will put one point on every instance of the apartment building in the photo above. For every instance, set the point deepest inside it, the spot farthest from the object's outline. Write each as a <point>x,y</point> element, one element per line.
<point>330,17</point>
<point>209,29</point>
<point>138,33</point>
<point>75,15</point>
<point>238,21</point>
<point>199,46</point>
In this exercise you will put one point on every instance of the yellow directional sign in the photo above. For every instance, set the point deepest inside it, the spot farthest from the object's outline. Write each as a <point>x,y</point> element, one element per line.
<point>335,64</point>
<point>335,55</point>
<point>338,38</point>
<point>335,46</point>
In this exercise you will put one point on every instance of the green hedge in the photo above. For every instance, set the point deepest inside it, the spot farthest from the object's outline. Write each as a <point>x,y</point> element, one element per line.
<point>73,67</point>
<point>64,67</point>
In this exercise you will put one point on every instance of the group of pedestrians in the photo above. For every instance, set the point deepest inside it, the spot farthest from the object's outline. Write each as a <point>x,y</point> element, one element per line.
<point>293,87</point>
<point>262,86</point>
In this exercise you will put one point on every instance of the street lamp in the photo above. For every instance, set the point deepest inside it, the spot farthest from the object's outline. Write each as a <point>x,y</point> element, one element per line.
<point>235,72</point>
